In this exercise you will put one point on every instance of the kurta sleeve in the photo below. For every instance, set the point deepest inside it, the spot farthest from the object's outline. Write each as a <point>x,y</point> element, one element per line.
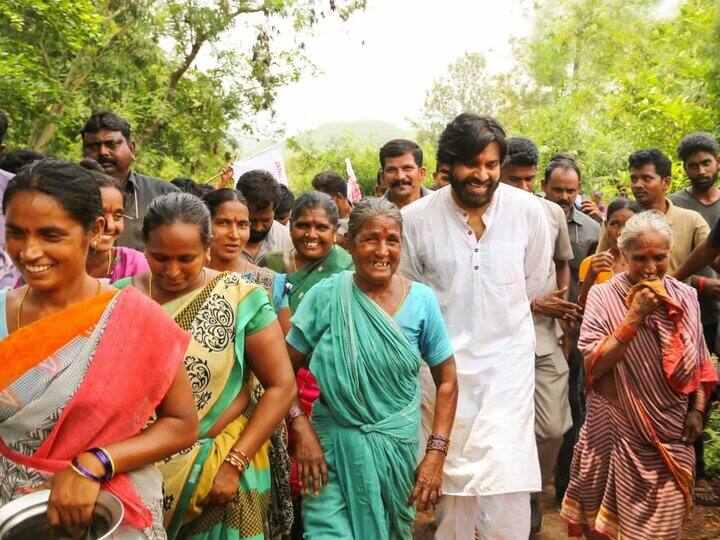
<point>563,247</point>
<point>538,254</point>
<point>410,265</point>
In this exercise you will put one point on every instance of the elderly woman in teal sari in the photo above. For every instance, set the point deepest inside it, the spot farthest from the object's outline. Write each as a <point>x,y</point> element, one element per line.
<point>366,333</point>
<point>314,257</point>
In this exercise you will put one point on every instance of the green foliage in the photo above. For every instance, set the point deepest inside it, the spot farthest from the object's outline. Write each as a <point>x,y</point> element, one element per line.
<point>712,443</point>
<point>598,79</point>
<point>60,59</point>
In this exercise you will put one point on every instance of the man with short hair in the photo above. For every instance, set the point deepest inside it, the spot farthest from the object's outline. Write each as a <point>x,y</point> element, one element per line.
<point>490,260</point>
<point>699,153</point>
<point>335,186</point>
<point>402,169</point>
<point>8,273</point>
<point>441,176</point>
<point>106,138</point>
<point>561,184</point>
<point>262,192</point>
<point>650,176</point>
<point>285,204</point>
<point>552,409</point>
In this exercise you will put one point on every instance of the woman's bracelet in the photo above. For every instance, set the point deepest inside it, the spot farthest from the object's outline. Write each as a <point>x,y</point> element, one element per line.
<point>82,471</point>
<point>438,442</point>
<point>624,333</point>
<point>295,412</point>
<point>104,458</point>
<point>700,401</point>
<point>233,460</point>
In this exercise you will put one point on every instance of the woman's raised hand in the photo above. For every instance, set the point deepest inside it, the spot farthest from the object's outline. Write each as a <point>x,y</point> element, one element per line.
<point>644,303</point>
<point>601,262</point>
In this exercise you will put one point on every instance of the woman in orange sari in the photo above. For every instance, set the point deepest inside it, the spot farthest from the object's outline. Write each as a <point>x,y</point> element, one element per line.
<point>78,378</point>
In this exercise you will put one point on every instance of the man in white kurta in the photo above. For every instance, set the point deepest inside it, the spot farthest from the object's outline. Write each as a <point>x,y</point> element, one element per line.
<point>484,286</point>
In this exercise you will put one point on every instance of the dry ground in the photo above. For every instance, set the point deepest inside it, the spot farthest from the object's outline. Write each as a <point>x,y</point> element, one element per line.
<point>704,523</point>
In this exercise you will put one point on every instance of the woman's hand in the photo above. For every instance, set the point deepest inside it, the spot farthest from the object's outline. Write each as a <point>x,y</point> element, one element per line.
<point>693,426</point>
<point>601,262</point>
<point>428,481</point>
<point>72,498</point>
<point>644,303</point>
<point>308,455</point>
<point>225,485</point>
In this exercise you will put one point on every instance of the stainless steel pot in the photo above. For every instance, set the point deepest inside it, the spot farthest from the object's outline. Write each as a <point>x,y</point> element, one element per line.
<point>24,519</point>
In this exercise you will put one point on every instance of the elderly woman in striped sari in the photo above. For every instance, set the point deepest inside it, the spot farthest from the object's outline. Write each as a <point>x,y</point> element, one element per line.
<point>219,488</point>
<point>648,374</point>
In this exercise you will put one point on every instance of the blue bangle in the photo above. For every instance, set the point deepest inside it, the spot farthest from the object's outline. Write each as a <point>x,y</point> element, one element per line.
<point>102,456</point>
<point>75,464</point>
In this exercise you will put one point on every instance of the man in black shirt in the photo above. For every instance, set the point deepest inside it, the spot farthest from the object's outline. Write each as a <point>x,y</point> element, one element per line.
<point>106,139</point>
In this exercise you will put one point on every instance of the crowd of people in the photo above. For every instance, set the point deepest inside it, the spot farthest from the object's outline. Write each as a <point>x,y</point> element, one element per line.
<point>238,362</point>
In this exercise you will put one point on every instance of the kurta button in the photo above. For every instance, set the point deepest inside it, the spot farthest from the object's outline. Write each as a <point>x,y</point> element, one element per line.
<point>477,268</point>
<point>469,232</point>
<point>476,250</point>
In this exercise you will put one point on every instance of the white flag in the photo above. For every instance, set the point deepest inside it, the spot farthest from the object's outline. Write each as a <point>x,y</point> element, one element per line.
<point>270,159</point>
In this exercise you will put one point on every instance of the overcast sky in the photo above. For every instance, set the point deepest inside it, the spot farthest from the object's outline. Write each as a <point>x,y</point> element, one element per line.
<point>379,64</point>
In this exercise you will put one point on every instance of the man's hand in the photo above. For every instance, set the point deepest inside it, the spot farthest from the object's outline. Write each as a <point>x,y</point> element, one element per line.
<point>591,209</point>
<point>553,305</point>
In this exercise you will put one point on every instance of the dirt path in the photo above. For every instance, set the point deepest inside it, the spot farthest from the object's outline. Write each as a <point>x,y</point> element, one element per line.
<point>704,523</point>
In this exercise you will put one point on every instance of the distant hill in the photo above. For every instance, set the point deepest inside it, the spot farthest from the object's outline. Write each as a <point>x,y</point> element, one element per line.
<point>373,131</point>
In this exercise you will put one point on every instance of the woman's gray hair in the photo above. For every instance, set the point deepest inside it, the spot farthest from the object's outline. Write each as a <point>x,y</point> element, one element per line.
<point>371,207</point>
<point>645,222</point>
<point>312,200</point>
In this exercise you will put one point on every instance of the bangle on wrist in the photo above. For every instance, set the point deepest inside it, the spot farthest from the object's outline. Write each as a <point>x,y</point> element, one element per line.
<point>438,442</point>
<point>82,471</point>
<point>624,333</point>
<point>295,412</point>
<point>700,401</point>
<point>105,460</point>
<point>701,283</point>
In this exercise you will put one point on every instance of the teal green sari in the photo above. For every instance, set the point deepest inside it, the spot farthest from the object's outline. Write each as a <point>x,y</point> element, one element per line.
<point>301,281</point>
<point>368,419</point>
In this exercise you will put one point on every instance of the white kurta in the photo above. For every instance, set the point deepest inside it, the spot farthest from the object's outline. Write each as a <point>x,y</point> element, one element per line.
<point>484,287</point>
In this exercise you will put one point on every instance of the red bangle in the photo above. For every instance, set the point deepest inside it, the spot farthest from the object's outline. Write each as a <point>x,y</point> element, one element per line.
<point>701,283</point>
<point>624,333</point>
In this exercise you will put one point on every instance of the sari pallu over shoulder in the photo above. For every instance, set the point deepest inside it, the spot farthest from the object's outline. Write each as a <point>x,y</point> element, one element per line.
<point>636,444</point>
<point>369,415</point>
<point>126,379</point>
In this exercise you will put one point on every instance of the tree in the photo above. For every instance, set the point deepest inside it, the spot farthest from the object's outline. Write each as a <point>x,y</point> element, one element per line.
<point>599,79</point>
<point>59,59</point>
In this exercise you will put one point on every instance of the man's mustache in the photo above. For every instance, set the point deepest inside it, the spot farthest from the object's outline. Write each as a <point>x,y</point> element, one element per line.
<point>108,160</point>
<point>402,182</point>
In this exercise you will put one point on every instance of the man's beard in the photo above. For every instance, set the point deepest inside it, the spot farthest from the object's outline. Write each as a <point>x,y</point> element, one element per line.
<point>472,200</point>
<point>705,183</point>
<point>258,236</point>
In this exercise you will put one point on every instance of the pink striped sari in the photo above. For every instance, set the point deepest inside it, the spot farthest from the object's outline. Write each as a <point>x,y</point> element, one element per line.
<point>631,475</point>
